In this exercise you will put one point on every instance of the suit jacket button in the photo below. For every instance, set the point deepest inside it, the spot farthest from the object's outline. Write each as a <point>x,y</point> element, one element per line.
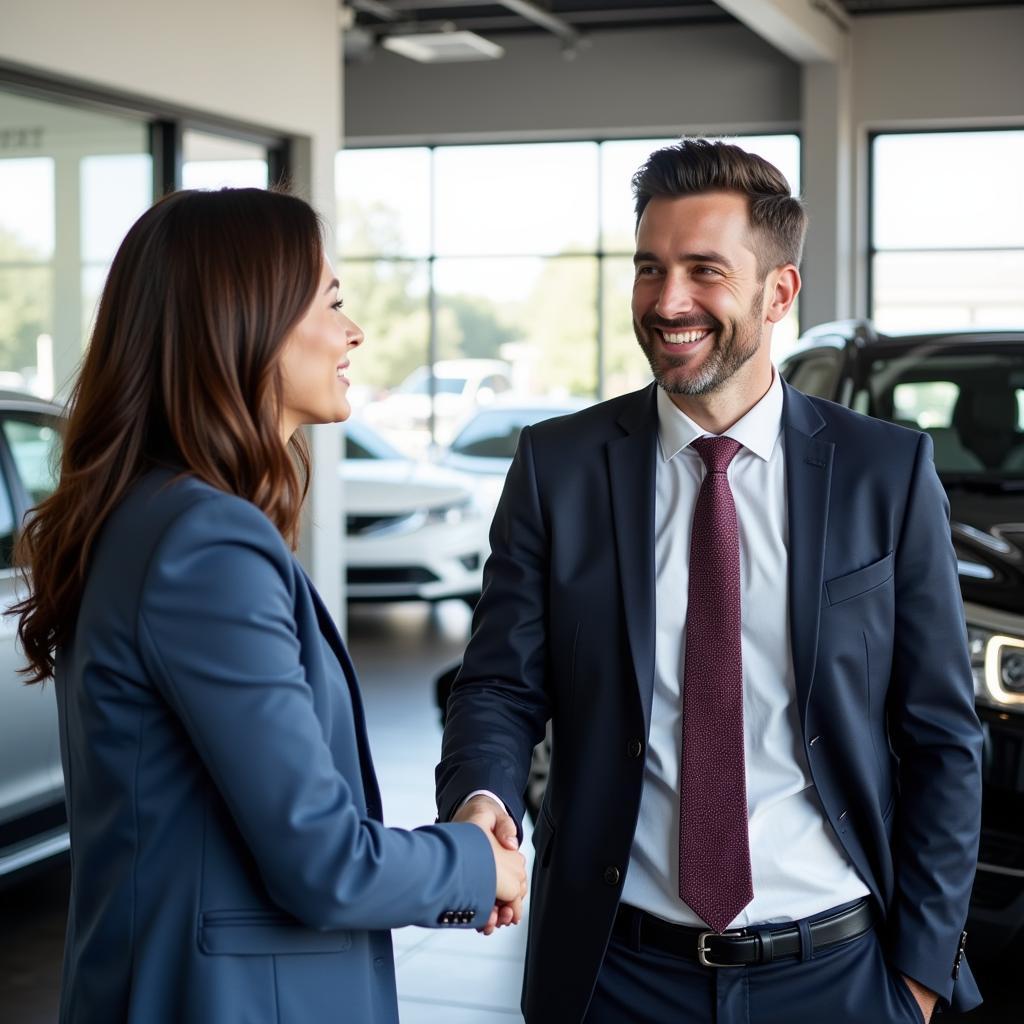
<point>612,876</point>
<point>635,749</point>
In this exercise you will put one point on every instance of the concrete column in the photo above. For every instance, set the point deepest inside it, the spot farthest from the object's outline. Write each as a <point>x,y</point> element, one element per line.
<point>321,548</point>
<point>67,272</point>
<point>827,184</point>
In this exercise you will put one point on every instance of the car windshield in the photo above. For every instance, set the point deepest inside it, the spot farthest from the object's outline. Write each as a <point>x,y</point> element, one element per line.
<point>494,433</point>
<point>969,398</point>
<point>363,443</point>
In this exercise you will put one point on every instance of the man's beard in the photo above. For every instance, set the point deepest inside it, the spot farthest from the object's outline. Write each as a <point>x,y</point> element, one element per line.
<point>731,350</point>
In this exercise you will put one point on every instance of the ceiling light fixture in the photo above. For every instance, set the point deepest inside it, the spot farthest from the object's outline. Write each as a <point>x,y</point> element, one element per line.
<point>442,47</point>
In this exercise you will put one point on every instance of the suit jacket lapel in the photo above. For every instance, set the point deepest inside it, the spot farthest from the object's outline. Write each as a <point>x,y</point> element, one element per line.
<point>330,633</point>
<point>631,468</point>
<point>808,476</point>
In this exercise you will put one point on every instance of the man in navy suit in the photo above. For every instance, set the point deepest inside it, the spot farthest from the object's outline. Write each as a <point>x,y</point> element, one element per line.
<point>739,608</point>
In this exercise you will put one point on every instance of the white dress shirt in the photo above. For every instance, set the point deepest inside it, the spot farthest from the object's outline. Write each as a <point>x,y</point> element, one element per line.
<point>798,866</point>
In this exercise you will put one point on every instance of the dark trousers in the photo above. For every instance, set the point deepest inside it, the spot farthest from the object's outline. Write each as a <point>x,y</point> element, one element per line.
<point>849,983</point>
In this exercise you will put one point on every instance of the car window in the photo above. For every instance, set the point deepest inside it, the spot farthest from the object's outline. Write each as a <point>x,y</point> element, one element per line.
<point>34,443</point>
<point>6,526</point>
<point>969,399</point>
<point>491,435</point>
<point>925,403</point>
<point>815,373</point>
<point>497,383</point>
<point>494,434</point>
<point>354,450</point>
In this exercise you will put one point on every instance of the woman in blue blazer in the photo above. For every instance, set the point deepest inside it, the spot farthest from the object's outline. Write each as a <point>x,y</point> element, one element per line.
<point>229,862</point>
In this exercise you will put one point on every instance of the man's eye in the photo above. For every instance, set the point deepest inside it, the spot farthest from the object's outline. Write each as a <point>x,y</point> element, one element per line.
<point>708,271</point>
<point>646,271</point>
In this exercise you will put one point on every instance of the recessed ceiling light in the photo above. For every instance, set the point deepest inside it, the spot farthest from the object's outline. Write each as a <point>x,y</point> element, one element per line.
<point>443,47</point>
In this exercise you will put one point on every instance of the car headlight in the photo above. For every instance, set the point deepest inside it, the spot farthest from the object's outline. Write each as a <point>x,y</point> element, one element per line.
<point>997,663</point>
<point>453,513</point>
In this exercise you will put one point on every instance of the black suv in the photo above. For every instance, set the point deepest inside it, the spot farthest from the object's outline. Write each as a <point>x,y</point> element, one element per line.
<point>965,389</point>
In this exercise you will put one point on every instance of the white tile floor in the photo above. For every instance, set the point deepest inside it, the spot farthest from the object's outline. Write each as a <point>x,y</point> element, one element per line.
<point>444,977</point>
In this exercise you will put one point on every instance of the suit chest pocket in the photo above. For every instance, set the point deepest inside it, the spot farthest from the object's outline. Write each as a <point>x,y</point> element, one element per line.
<point>844,588</point>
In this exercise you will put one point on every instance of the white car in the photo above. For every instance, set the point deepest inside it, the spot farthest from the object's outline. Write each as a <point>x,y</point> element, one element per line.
<point>414,531</point>
<point>486,442</point>
<point>460,386</point>
<point>33,823</point>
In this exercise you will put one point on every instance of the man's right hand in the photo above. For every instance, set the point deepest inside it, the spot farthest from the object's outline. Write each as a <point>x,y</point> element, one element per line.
<point>510,865</point>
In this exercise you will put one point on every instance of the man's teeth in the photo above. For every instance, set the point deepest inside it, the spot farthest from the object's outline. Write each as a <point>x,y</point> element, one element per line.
<point>683,337</point>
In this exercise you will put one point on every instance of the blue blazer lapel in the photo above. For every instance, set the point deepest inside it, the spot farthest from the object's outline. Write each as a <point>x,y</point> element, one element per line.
<point>333,637</point>
<point>808,477</point>
<point>631,469</point>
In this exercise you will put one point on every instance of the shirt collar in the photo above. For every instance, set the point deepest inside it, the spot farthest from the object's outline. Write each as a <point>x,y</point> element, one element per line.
<point>757,431</point>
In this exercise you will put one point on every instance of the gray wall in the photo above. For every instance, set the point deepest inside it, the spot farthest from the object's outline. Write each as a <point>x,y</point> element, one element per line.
<point>636,83</point>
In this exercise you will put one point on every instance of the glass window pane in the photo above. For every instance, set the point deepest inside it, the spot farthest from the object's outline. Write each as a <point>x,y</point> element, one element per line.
<point>516,199</point>
<point>26,324</point>
<point>622,159</point>
<point>26,209</point>
<point>116,189</point>
<point>388,299</point>
<point>516,310</point>
<point>213,161</point>
<point>933,291</point>
<point>383,201</point>
<point>948,189</point>
<point>625,365</point>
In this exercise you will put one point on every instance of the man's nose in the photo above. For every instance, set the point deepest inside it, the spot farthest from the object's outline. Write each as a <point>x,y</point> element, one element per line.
<point>675,297</point>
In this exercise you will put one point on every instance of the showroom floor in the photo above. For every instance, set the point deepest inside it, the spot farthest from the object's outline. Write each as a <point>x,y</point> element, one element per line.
<point>443,977</point>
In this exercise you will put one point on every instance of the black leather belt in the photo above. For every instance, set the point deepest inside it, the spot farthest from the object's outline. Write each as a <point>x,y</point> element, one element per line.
<point>740,948</point>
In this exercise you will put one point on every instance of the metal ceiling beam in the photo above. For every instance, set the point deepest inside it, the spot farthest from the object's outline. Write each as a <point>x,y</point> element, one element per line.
<point>525,9</point>
<point>375,8</point>
<point>545,19</point>
<point>808,31</point>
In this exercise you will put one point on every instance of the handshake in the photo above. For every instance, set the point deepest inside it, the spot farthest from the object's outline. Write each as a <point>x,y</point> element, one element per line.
<point>509,863</point>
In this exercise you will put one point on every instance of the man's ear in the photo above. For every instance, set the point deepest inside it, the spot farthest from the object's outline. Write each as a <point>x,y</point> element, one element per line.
<point>781,289</point>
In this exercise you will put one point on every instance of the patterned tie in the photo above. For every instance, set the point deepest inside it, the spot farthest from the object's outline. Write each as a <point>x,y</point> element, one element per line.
<point>714,849</point>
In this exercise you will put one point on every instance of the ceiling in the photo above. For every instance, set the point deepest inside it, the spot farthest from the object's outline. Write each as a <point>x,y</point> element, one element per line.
<point>571,19</point>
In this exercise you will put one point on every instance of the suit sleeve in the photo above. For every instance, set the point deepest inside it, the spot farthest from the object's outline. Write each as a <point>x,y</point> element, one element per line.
<point>499,708</point>
<point>937,738</point>
<point>218,636</point>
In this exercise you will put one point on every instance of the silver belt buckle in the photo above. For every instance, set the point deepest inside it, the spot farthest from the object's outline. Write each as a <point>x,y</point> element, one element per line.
<point>702,949</point>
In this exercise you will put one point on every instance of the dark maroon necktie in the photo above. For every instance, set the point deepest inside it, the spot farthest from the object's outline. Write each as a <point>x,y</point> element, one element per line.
<point>714,848</point>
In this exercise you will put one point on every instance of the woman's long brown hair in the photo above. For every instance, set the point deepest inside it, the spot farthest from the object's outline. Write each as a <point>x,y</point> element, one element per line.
<point>182,370</point>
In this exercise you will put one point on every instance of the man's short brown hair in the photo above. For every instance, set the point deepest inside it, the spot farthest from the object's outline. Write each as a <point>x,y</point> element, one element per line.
<point>778,220</point>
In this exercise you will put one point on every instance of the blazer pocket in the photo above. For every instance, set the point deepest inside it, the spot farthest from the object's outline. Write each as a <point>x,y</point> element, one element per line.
<point>853,584</point>
<point>264,933</point>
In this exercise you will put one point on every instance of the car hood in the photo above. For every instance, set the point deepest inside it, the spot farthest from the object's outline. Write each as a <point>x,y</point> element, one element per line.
<point>988,535</point>
<point>392,486</point>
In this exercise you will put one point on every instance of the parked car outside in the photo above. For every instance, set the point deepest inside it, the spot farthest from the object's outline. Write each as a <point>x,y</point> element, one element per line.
<point>33,823</point>
<point>460,386</point>
<point>414,531</point>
